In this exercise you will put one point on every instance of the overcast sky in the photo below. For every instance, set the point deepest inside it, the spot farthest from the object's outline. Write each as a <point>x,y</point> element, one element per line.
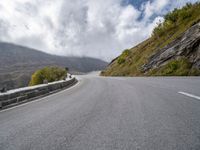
<point>96,28</point>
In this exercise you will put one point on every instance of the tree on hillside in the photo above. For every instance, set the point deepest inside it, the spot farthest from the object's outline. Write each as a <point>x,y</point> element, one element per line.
<point>48,74</point>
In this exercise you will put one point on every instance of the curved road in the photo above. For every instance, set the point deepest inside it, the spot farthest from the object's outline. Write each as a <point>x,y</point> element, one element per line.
<point>108,114</point>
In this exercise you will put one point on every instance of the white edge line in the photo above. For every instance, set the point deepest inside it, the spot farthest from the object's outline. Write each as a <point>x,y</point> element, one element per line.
<point>39,99</point>
<point>189,95</point>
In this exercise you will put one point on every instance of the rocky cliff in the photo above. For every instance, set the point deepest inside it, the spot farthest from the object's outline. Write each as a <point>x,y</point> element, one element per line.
<point>186,46</point>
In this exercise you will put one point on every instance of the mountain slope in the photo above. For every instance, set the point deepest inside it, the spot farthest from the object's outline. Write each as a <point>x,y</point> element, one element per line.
<point>17,63</point>
<point>173,48</point>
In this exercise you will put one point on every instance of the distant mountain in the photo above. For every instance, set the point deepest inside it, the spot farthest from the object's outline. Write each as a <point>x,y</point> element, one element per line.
<point>17,63</point>
<point>172,50</point>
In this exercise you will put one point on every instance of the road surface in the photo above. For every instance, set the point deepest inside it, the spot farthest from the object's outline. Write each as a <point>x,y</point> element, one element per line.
<point>109,114</point>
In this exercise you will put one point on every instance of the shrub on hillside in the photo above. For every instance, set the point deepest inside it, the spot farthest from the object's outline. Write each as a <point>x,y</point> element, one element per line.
<point>176,17</point>
<point>121,61</point>
<point>48,74</point>
<point>123,56</point>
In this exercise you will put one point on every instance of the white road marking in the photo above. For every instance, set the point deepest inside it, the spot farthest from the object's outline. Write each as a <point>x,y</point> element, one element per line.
<point>189,95</point>
<point>39,99</point>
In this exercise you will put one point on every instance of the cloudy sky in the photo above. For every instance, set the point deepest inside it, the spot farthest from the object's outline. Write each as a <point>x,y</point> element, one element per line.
<point>96,28</point>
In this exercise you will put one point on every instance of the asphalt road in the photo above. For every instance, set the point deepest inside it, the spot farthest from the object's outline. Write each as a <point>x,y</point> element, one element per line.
<point>109,114</point>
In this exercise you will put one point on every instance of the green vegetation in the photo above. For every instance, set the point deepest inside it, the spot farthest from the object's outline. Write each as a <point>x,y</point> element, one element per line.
<point>176,18</point>
<point>48,74</point>
<point>180,67</point>
<point>175,23</point>
<point>123,56</point>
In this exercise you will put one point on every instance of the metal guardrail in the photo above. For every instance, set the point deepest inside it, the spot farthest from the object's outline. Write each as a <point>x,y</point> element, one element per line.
<point>22,95</point>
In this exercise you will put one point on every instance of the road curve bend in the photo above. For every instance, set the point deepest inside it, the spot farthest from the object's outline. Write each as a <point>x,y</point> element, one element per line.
<point>104,113</point>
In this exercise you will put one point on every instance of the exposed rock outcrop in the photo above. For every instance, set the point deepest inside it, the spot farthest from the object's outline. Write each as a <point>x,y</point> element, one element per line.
<point>187,45</point>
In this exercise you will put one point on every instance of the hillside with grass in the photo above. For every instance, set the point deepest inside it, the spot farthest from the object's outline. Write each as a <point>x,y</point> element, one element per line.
<point>172,50</point>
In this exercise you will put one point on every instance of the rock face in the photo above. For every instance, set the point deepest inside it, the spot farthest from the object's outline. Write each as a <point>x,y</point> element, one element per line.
<point>187,45</point>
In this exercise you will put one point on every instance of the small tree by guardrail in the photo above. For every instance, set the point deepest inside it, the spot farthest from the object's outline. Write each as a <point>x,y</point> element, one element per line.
<point>48,74</point>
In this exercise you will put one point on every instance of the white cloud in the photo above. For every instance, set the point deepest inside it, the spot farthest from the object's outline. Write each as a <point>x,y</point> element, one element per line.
<point>80,27</point>
<point>155,7</point>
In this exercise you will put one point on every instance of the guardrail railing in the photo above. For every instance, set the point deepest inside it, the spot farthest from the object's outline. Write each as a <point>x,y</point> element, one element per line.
<point>22,95</point>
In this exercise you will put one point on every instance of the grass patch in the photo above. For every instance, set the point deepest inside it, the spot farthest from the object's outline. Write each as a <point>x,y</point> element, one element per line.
<point>180,67</point>
<point>126,53</point>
